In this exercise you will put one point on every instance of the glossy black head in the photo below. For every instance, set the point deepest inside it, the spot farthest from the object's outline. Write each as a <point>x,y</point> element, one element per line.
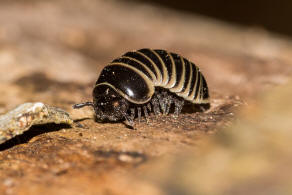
<point>108,104</point>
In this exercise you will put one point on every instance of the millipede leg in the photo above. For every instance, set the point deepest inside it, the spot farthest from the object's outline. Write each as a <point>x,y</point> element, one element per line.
<point>149,107</point>
<point>132,116</point>
<point>167,101</point>
<point>129,120</point>
<point>178,106</point>
<point>155,104</point>
<point>168,104</point>
<point>139,114</point>
<point>162,102</point>
<point>146,113</point>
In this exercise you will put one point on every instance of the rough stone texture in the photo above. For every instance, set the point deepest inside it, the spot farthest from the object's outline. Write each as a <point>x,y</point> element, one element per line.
<point>24,116</point>
<point>53,51</point>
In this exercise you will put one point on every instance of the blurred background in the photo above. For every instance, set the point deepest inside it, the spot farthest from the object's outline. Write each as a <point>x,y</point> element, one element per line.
<point>270,15</point>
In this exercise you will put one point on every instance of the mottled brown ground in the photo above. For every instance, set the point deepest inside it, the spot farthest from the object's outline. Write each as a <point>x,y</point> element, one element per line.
<point>53,51</point>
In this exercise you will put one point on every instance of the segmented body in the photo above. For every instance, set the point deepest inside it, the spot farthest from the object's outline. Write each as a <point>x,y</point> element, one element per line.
<point>137,74</point>
<point>146,80</point>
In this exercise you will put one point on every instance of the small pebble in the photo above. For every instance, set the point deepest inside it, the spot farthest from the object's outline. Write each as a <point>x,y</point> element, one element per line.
<point>8,182</point>
<point>20,119</point>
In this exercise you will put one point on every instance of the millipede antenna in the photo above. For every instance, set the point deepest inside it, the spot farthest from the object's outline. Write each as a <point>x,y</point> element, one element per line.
<point>77,106</point>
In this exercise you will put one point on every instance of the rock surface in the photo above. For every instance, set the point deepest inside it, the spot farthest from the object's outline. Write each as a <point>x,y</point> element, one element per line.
<point>53,51</point>
<point>24,116</point>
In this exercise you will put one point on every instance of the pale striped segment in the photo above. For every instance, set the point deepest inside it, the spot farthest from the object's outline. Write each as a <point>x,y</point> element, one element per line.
<point>188,80</point>
<point>170,71</point>
<point>142,58</point>
<point>180,73</point>
<point>138,65</point>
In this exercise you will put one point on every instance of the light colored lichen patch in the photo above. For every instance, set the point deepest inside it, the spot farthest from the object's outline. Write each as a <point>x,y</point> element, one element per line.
<point>26,115</point>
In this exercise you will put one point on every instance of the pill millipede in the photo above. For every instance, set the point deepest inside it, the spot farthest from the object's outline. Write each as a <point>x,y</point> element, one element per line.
<point>146,80</point>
